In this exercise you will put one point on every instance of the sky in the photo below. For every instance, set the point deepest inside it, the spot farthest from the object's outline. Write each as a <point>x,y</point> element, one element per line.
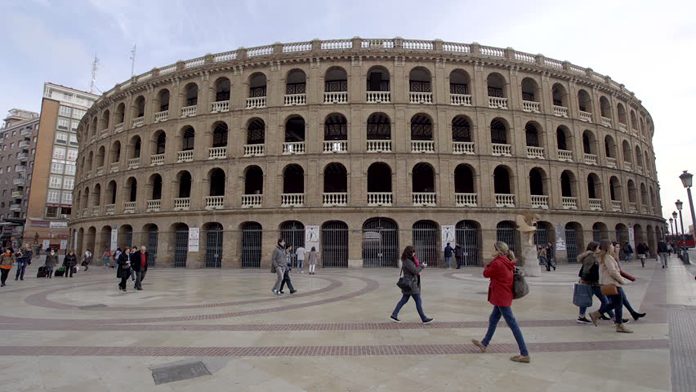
<point>649,46</point>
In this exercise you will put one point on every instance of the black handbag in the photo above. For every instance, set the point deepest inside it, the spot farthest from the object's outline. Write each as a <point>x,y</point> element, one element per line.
<point>404,282</point>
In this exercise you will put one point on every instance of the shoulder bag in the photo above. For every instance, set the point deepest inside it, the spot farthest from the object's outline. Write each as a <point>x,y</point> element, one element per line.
<point>610,289</point>
<point>582,295</point>
<point>404,282</point>
<point>519,284</point>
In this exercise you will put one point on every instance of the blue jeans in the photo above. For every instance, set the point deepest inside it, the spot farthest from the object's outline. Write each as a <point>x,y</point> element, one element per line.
<point>448,261</point>
<point>616,302</point>
<point>597,291</point>
<point>21,266</point>
<point>506,312</point>
<point>402,302</point>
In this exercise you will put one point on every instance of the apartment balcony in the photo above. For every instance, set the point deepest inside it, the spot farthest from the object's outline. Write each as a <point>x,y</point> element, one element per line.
<point>23,157</point>
<point>502,149</point>
<point>611,162</point>
<point>416,97</point>
<point>335,199</point>
<point>118,127</point>
<point>336,146</point>
<point>466,199</point>
<point>539,201</point>
<point>109,209</point>
<point>378,97</point>
<point>256,103</point>
<point>134,163</point>
<point>460,99</point>
<point>184,156</point>
<point>379,146</point>
<point>569,203</point>
<point>467,148</point>
<point>504,200</point>
<point>605,121</point>
<point>26,133</point>
<point>154,205</point>
<point>251,150</point>
<point>214,202</point>
<point>585,116</point>
<point>379,199</point>
<point>423,146</point>
<point>295,99</point>
<point>15,207</point>
<point>138,122</point>
<point>189,111</point>
<point>129,207</point>
<point>426,199</point>
<point>24,144</point>
<point>220,107</point>
<point>531,106</point>
<point>590,159</point>
<point>19,181</point>
<point>17,194</point>
<point>565,155</point>
<point>157,159</point>
<point>497,103</point>
<point>217,153</point>
<point>560,111</point>
<point>292,199</point>
<point>596,205</point>
<point>616,205</point>
<point>20,168</point>
<point>535,152</point>
<point>293,148</point>
<point>250,201</point>
<point>162,116</point>
<point>182,203</point>
<point>336,97</point>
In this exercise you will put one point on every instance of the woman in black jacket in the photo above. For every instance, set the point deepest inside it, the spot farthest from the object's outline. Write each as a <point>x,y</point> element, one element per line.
<point>69,262</point>
<point>411,268</point>
<point>123,270</point>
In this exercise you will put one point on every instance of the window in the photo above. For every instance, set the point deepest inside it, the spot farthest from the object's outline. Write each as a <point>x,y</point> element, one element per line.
<point>63,124</point>
<point>78,114</point>
<point>65,210</point>
<point>70,170</point>
<point>59,153</point>
<point>51,212</point>
<point>72,155</point>
<point>61,137</point>
<point>53,196</point>
<point>55,181</point>
<point>67,198</point>
<point>74,125</point>
<point>57,168</point>
<point>68,183</point>
<point>64,111</point>
<point>73,140</point>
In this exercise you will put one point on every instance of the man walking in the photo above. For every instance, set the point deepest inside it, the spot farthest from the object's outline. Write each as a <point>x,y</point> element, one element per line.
<point>139,266</point>
<point>300,253</point>
<point>459,255</point>
<point>663,252</point>
<point>279,262</point>
<point>449,251</point>
<point>23,260</point>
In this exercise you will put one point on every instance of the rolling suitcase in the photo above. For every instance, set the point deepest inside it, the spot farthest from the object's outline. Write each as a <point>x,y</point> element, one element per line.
<point>41,273</point>
<point>59,272</point>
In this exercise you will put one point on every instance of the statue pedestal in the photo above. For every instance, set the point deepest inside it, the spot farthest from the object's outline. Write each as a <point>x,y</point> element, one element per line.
<point>531,261</point>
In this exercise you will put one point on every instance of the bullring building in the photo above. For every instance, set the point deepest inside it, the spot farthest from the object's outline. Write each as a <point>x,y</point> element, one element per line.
<point>360,147</point>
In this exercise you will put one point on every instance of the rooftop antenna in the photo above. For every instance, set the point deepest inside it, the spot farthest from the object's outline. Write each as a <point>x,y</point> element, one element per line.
<point>132,58</point>
<point>95,65</point>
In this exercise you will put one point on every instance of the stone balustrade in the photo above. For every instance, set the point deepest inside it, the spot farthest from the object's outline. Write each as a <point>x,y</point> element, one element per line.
<point>182,203</point>
<point>129,207</point>
<point>616,205</point>
<point>214,202</point>
<point>569,203</point>
<point>189,111</point>
<point>251,150</point>
<point>335,199</point>
<point>292,199</point>
<point>217,152</point>
<point>184,156</point>
<point>378,97</point>
<point>422,146</point>
<point>466,199</point>
<point>419,97</point>
<point>585,116</point>
<point>560,111</point>
<point>497,103</point>
<point>250,201</point>
<point>539,201</point>
<point>596,205</point>
<point>134,163</point>
<point>565,155</point>
<point>162,116</point>
<point>504,200</point>
<point>256,102</point>
<point>535,152</point>
<point>336,97</point>
<point>335,146</point>
<point>157,159</point>
<point>428,199</point>
<point>138,122</point>
<point>293,148</point>
<point>590,159</point>
<point>295,99</point>
<point>379,146</point>
<point>154,205</point>
<point>220,107</point>
<point>376,199</point>
<point>463,148</point>
<point>460,99</point>
<point>502,149</point>
<point>532,107</point>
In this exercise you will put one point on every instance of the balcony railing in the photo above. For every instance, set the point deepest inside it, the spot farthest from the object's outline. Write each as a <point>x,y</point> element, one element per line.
<point>182,203</point>
<point>596,204</point>
<point>154,205</point>
<point>138,122</point>
<point>129,207</point>
<point>335,199</point>
<point>295,99</point>
<point>466,199</point>
<point>422,146</point>
<point>96,211</point>
<point>627,165</point>
<point>616,205</point>
<point>162,116</point>
<point>104,132</point>
<point>531,106</point>
<point>17,194</point>
<point>502,149</point>
<point>569,203</point>
<point>336,146</point>
<point>560,111</point>
<point>118,128</point>
<point>590,159</point>
<point>134,163</point>
<point>214,202</point>
<point>504,200</point>
<point>376,199</point>
<point>217,153</point>
<point>256,102</point>
<point>535,152</point>
<point>19,181</point>
<point>109,209</point>
<point>497,103</point>
<point>539,201</point>
<point>378,97</point>
<point>379,146</point>
<point>100,171</point>
<point>460,99</point>
<point>189,111</point>
<point>249,201</point>
<point>251,150</point>
<point>15,207</point>
<point>632,207</point>
<point>20,168</point>
<point>336,97</point>
<point>622,127</point>
<point>585,116</point>
<point>22,156</point>
<point>157,159</point>
<point>606,121</point>
<point>463,148</point>
<point>184,156</point>
<point>424,199</point>
<point>292,199</point>
<point>611,162</point>
<point>416,97</point>
<point>26,132</point>
<point>565,155</point>
<point>294,148</point>
<point>220,107</point>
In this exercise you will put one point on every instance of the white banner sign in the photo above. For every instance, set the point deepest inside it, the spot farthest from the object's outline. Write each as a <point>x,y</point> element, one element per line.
<point>114,238</point>
<point>448,236</point>
<point>312,237</point>
<point>194,239</point>
<point>63,244</point>
<point>46,244</point>
<point>631,237</point>
<point>560,238</point>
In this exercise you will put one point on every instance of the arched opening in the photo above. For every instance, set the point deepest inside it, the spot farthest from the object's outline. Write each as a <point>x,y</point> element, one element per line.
<point>610,146</point>
<point>335,127</point>
<point>614,189</point>
<point>506,231</point>
<point>139,107</point>
<point>639,235</point>
<point>563,141</point>
<point>568,184</point>
<point>151,232</point>
<point>90,161</point>
<point>180,234</point>
<point>125,236</point>
<point>378,127</point>
<point>131,189</point>
<point>584,101</point>
<point>627,156</point>
<point>532,134</point>
<point>559,95</point>
<point>501,180</point>
<point>537,182</point>
<point>159,142</point>
<point>111,193</point>
<point>426,240</point>
<point>496,85</point>
<point>419,80</point>
<point>97,195</point>
<point>604,107</point>
<point>530,90</point>
<point>295,129</point>
<point>184,180</point>
<point>163,100</point>
<point>423,178</point>
<point>621,113</point>
<point>574,241</point>
<point>216,179</point>
<point>296,82</point>
<point>468,238</point>
<point>106,116</point>
<point>644,198</point>
<point>101,154</point>
<point>134,147</point>
<point>634,121</point>
<point>213,244</point>
<point>459,82</point>
<point>380,243</point>
<point>378,79</point>
<point>191,94</point>
<point>293,232</point>
<point>631,191</point>
<point>252,236</point>
<point>621,233</point>
<point>652,240</point>
<point>85,198</point>
<point>115,152</point>
<point>464,179</point>
<point>293,179</point>
<point>335,80</point>
<point>188,138</point>
<point>461,129</point>
<point>334,244</point>
<point>257,85</point>
<point>335,178</point>
<point>256,131</point>
<point>421,127</point>
<point>639,157</point>
<point>545,234</point>
<point>105,238</point>
<point>594,189</point>
<point>219,134</point>
<point>599,232</point>
<point>120,113</point>
<point>222,90</point>
<point>156,187</point>
<point>499,131</point>
<point>90,241</point>
<point>589,143</point>
<point>253,181</point>
<point>379,178</point>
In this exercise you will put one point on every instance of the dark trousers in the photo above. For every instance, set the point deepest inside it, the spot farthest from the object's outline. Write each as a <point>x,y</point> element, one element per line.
<point>143,276</point>
<point>4,273</point>
<point>125,274</point>
<point>460,261</point>
<point>138,279</point>
<point>627,304</point>
<point>286,280</point>
<point>597,291</point>
<point>21,266</point>
<point>68,269</point>
<point>616,302</point>
<point>402,302</point>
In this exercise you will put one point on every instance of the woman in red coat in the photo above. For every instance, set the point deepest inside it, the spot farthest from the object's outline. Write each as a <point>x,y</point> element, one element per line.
<point>500,271</point>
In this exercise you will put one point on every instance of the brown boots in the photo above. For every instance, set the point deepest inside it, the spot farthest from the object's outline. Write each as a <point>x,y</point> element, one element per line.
<point>622,329</point>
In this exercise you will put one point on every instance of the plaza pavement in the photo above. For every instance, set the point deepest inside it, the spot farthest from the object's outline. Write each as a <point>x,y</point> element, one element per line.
<point>223,330</point>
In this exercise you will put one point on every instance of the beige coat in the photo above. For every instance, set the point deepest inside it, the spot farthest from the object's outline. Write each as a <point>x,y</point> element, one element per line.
<point>609,272</point>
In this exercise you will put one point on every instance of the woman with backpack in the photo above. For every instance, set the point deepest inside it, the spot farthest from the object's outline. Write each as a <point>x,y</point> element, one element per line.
<point>500,271</point>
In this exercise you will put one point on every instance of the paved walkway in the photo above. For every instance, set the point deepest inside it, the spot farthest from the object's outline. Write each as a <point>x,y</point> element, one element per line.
<point>208,330</point>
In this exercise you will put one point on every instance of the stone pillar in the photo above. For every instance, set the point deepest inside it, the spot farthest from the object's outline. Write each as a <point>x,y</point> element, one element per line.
<point>231,252</point>
<point>355,248</point>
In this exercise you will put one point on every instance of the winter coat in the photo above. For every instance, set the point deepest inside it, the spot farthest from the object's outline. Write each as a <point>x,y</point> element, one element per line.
<point>6,261</point>
<point>662,247</point>
<point>123,265</point>
<point>411,271</point>
<point>51,261</point>
<point>312,258</point>
<point>279,259</point>
<point>609,272</point>
<point>448,251</point>
<point>500,272</point>
<point>70,260</point>
<point>135,261</point>
<point>588,261</point>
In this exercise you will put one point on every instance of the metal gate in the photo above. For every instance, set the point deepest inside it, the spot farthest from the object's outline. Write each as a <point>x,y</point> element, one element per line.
<point>152,247</point>
<point>571,245</point>
<point>541,236</point>
<point>251,245</point>
<point>293,232</point>
<point>213,248</point>
<point>425,240</point>
<point>596,235</point>
<point>334,245</point>
<point>467,235</point>
<point>128,238</point>
<point>180,248</point>
<point>510,236</point>
<point>380,243</point>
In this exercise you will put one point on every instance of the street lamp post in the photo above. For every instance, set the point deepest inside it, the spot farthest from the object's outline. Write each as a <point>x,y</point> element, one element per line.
<point>679,206</point>
<point>686,179</point>
<point>671,226</point>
